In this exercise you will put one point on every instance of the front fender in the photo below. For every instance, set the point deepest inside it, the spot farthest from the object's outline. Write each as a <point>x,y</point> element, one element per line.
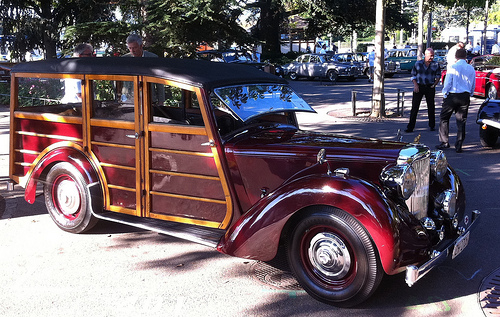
<point>257,233</point>
<point>58,152</point>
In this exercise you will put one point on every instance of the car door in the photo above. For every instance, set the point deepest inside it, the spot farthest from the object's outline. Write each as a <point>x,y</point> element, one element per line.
<point>302,69</point>
<point>113,135</point>
<point>183,179</point>
<point>482,74</point>
<point>315,67</point>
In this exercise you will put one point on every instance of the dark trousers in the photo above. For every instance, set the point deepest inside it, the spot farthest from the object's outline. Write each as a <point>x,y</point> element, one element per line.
<point>458,103</point>
<point>429,93</point>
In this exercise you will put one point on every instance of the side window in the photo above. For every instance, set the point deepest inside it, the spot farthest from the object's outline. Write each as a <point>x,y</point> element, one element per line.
<point>113,100</point>
<point>50,95</point>
<point>174,105</point>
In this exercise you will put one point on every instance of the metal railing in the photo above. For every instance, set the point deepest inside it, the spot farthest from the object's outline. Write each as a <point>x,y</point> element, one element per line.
<point>393,98</point>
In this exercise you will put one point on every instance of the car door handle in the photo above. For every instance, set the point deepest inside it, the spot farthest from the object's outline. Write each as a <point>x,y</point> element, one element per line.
<point>132,136</point>
<point>210,143</point>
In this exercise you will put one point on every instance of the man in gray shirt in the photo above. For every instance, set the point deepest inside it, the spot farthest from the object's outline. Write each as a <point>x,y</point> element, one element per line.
<point>134,45</point>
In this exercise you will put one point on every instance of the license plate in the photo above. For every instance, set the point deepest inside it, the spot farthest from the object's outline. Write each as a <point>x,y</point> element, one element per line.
<point>460,245</point>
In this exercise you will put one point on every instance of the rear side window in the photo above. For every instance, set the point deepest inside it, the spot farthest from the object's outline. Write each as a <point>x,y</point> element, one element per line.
<point>50,95</point>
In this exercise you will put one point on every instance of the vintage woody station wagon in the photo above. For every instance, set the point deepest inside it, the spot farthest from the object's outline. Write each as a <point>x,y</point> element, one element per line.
<point>212,152</point>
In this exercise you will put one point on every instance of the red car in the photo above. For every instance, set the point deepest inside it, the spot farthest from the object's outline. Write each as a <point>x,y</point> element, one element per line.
<point>213,153</point>
<point>487,76</point>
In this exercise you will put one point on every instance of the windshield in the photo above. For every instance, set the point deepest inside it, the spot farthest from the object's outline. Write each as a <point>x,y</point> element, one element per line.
<point>234,56</point>
<point>250,101</point>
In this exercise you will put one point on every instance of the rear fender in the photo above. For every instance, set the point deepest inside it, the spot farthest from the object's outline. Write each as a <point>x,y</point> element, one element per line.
<point>58,152</point>
<point>257,233</point>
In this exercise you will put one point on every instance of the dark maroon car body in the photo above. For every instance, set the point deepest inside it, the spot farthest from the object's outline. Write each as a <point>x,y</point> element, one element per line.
<point>221,161</point>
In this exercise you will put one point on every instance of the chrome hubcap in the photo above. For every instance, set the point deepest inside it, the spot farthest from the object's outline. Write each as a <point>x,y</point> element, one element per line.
<point>329,255</point>
<point>68,197</point>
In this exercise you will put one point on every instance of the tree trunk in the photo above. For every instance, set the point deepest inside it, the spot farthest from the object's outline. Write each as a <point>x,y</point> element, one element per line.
<point>483,48</point>
<point>420,39</point>
<point>270,28</point>
<point>378,106</point>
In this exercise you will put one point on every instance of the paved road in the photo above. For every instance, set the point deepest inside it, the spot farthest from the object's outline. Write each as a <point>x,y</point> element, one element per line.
<point>120,271</point>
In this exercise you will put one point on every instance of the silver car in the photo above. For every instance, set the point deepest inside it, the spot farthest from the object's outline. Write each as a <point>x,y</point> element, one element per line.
<point>320,65</point>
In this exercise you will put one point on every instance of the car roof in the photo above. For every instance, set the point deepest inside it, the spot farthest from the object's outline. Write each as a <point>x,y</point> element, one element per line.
<point>198,73</point>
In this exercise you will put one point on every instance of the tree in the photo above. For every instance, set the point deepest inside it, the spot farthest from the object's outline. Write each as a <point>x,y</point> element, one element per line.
<point>268,28</point>
<point>38,24</point>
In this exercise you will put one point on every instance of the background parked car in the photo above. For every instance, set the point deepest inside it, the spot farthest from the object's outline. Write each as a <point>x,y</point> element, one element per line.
<point>487,75</point>
<point>407,57</point>
<point>320,65</point>
<point>390,67</point>
<point>239,57</point>
<point>487,69</point>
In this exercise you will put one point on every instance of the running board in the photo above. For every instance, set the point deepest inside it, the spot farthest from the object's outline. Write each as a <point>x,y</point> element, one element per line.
<point>202,235</point>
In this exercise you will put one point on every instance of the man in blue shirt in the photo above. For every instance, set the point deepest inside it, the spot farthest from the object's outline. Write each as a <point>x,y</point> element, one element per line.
<point>425,75</point>
<point>457,89</point>
<point>371,64</point>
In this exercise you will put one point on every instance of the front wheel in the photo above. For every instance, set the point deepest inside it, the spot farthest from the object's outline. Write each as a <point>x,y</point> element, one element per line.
<point>67,198</point>
<point>492,92</point>
<point>332,75</point>
<point>333,258</point>
<point>488,136</point>
<point>293,76</point>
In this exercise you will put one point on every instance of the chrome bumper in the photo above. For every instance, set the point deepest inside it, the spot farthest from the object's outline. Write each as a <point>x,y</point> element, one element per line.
<point>492,123</point>
<point>414,273</point>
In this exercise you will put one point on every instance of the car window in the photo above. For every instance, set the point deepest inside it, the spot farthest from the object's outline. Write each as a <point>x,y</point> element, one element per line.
<point>113,99</point>
<point>174,105</point>
<point>50,95</point>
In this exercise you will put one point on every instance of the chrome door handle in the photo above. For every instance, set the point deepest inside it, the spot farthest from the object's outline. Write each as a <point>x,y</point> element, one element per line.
<point>132,136</point>
<point>210,143</point>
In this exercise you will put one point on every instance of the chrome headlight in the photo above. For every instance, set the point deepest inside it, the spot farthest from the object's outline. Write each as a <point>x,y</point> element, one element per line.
<point>401,179</point>
<point>439,164</point>
<point>448,201</point>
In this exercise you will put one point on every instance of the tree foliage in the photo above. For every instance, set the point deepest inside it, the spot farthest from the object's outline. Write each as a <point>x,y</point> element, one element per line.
<point>37,24</point>
<point>178,27</point>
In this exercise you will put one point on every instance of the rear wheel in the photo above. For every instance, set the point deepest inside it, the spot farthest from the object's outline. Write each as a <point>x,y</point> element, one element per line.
<point>488,136</point>
<point>67,198</point>
<point>333,258</point>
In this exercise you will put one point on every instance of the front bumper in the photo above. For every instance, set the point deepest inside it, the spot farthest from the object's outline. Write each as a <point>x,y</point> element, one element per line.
<point>414,273</point>
<point>489,122</point>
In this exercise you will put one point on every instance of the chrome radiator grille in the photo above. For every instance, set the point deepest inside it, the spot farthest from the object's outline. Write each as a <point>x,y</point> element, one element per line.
<point>419,200</point>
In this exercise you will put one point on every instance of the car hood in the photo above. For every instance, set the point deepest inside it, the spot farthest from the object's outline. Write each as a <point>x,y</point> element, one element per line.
<point>281,139</point>
<point>268,159</point>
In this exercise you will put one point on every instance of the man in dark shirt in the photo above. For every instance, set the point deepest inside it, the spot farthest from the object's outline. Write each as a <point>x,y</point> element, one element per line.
<point>425,75</point>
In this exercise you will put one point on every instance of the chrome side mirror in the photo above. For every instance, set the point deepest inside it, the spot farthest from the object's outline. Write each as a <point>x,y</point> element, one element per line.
<point>321,158</point>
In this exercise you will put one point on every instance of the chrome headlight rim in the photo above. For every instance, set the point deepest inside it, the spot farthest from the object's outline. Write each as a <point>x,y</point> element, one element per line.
<point>448,202</point>
<point>400,178</point>
<point>439,164</point>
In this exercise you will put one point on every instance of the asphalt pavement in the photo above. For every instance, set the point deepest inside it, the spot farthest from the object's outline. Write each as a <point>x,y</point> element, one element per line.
<point>116,270</point>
